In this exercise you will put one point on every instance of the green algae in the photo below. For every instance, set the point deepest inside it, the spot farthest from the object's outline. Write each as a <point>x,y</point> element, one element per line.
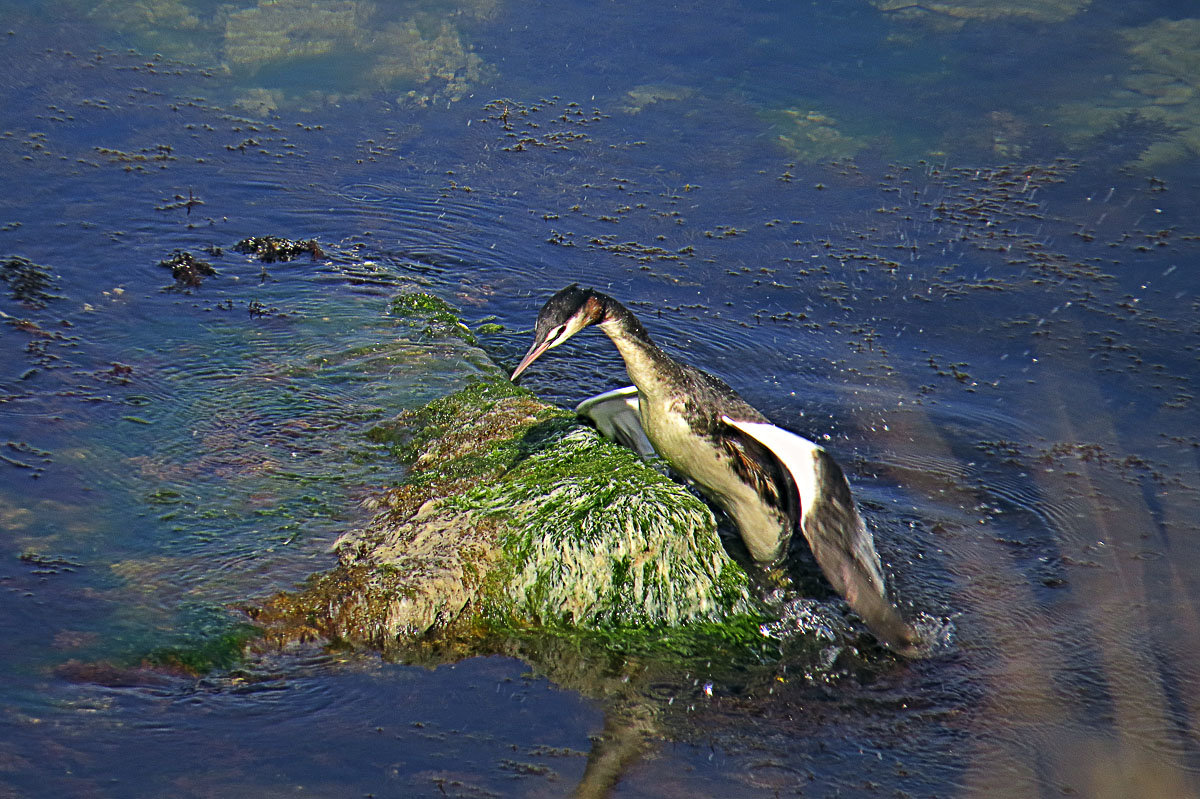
<point>210,639</point>
<point>514,517</point>
<point>599,538</point>
<point>431,316</point>
<point>204,638</point>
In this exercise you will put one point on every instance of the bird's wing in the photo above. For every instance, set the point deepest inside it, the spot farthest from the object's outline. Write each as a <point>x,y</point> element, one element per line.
<point>841,544</point>
<point>763,471</point>
<point>617,415</point>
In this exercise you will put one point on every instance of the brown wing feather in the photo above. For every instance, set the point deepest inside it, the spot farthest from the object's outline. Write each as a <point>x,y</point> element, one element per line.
<point>755,464</point>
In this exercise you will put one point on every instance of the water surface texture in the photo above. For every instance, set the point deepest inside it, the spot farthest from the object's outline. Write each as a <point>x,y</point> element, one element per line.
<point>955,241</point>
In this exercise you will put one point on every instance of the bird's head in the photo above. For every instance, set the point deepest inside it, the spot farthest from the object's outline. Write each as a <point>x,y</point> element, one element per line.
<point>563,315</point>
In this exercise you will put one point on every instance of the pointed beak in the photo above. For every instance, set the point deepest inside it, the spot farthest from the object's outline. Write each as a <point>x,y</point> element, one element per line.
<point>536,350</point>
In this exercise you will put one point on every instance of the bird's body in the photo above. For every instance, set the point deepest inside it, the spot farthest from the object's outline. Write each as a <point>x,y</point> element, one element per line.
<point>681,409</point>
<point>768,480</point>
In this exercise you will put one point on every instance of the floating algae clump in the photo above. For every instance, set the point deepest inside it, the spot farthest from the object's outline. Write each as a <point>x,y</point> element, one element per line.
<point>514,515</point>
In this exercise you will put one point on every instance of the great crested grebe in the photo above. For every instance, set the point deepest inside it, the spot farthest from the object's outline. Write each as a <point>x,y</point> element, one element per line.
<point>770,481</point>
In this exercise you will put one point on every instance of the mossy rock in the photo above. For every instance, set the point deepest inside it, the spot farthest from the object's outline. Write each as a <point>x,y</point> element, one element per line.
<point>430,315</point>
<point>515,516</point>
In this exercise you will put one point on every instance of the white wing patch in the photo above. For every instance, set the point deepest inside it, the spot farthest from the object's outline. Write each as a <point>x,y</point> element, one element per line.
<point>798,455</point>
<point>841,543</point>
<point>617,415</point>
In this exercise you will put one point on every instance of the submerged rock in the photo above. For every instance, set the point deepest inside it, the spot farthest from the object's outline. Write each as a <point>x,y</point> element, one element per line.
<point>812,136</point>
<point>1151,119</point>
<point>962,10</point>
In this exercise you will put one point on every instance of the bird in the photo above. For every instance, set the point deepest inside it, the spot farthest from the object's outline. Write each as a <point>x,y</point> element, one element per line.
<point>768,480</point>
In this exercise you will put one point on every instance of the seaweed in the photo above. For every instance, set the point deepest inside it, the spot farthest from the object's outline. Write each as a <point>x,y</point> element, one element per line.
<point>188,270</point>
<point>28,283</point>
<point>270,249</point>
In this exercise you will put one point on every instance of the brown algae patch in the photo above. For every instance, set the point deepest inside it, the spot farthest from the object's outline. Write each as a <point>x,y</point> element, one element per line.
<point>270,249</point>
<point>188,270</point>
<point>28,283</point>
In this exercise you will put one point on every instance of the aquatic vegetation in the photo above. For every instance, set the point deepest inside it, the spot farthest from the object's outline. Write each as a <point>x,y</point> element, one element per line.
<point>1168,47</point>
<point>957,12</point>
<point>647,94</point>
<point>164,26</point>
<point>188,270</point>
<point>204,638</point>
<point>811,136</point>
<point>1153,118</point>
<point>269,32</point>
<point>270,249</point>
<point>259,102</point>
<point>545,123</point>
<point>422,55</point>
<point>431,316</point>
<point>27,282</point>
<point>438,65</point>
<point>137,161</point>
<point>514,514</point>
<point>25,456</point>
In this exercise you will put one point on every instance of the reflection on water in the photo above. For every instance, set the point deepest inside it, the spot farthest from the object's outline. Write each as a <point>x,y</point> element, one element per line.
<point>986,308</point>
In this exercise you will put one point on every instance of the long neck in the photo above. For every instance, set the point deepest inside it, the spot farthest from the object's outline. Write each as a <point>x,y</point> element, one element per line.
<point>646,364</point>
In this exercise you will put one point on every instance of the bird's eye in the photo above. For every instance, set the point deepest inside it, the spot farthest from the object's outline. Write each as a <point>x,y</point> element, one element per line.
<point>555,334</point>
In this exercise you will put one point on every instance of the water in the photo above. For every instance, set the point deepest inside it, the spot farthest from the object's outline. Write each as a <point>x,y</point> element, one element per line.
<point>960,249</point>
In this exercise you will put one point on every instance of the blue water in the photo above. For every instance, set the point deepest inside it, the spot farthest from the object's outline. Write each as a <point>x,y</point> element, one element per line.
<point>971,273</point>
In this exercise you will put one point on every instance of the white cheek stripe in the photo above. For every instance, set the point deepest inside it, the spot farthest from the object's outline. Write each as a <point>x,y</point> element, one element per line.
<point>798,454</point>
